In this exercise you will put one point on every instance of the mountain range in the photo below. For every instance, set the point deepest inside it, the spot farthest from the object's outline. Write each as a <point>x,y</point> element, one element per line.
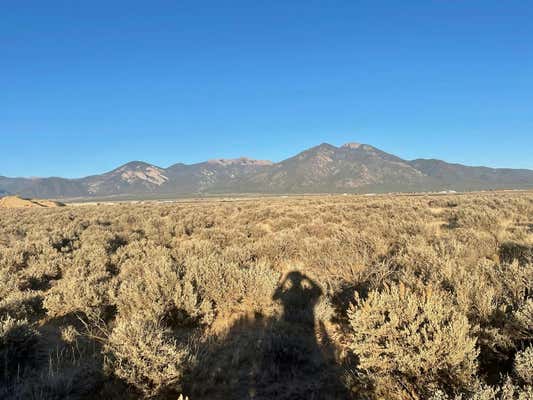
<point>350,168</point>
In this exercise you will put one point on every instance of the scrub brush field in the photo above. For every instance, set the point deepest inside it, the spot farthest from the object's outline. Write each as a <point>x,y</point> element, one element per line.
<point>319,297</point>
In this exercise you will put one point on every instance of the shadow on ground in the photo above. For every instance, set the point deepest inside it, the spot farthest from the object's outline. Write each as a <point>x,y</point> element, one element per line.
<point>290,357</point>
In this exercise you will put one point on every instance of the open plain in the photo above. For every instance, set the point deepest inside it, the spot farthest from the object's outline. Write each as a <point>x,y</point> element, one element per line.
<point>317,297</point>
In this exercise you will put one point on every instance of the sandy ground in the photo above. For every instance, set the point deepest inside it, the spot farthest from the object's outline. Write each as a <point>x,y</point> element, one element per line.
<point>19,202</point>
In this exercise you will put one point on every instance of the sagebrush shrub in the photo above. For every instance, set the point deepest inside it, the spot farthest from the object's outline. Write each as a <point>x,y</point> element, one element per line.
<point>506,391</point>
<point>145,355</point>
<point>522,321</point>
<point>85,285</point>
<point>523,365</point>
<point>414,337</point>
<point>153,286</point>
<point>230,287</point>
<point>18,347</point>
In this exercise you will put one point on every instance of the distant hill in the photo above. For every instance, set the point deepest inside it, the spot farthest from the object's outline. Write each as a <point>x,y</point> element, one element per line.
<point>460,177</point>
<point>19,202</point>
<point>351,168</point>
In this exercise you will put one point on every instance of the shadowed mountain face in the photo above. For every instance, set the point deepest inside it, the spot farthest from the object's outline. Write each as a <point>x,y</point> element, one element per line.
<point>351,168</point>
<point>462,177</point>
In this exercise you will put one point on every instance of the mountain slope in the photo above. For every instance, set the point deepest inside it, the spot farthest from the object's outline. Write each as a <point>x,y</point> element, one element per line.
<point>353,167</point>
<point>135,177</point>
<point>222,175</point>
<point>461,177</point>
<point>43,187</point>
<point>326,168</point>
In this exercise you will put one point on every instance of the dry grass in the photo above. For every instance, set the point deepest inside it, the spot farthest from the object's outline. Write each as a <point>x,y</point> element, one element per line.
<point>399,297</point>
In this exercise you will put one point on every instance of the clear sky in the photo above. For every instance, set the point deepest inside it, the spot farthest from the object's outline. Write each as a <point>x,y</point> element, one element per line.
<point>88,85</point>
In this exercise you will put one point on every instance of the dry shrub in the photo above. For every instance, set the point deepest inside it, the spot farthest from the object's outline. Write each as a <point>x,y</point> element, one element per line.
<point>511,251</point>
<point>153,286</point>
<point>507,391</point>
<point>230,287</point>
<point>412,341</point>
<point>18,348</point>
<point>522,321</point>
<point>145,355</point>
<point>494,298</point>
<point>22,305</point>
<point>469,216</point>
<point>523,365</point>
<point>8,282</point>
<point>14,302</point>
<point>84,287</point>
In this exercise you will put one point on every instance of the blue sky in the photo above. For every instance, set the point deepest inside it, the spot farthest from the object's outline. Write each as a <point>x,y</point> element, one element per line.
<point>87,86</point>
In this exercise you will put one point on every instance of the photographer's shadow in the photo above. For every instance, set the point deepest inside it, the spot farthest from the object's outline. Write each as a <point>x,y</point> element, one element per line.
<point>269,358</point>
<point>299,296</point>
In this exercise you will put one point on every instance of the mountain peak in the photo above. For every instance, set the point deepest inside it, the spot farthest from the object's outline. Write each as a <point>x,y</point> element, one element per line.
<point>134,172</point>
<point>351,145</point>
<point>239,161</point>
<point>322,147</point>
<point>326,146</point>
<point>134,165</point>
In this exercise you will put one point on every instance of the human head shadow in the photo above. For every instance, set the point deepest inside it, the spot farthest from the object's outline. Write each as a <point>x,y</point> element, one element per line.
<point>289,356</point>
<point>298,295</point>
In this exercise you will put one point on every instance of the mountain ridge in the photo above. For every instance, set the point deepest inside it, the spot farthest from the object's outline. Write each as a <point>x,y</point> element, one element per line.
<point>325,168</point>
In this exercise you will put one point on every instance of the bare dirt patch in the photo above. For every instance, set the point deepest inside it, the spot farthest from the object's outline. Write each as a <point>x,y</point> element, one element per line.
<point>19,202</point>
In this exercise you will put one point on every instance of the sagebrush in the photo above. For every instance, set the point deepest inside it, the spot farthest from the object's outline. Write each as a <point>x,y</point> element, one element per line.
<point>319,297</point>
